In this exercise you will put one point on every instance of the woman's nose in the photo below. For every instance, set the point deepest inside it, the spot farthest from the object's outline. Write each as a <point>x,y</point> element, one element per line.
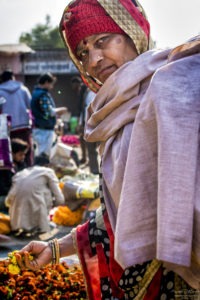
<point>95,57</point>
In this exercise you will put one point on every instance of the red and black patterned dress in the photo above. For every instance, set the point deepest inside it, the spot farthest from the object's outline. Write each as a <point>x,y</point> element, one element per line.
<point>106,280</point>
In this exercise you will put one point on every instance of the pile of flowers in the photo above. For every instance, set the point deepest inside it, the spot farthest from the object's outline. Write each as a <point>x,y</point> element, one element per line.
<point>64,216</point>
<point>51,282</point>
<point>70,140</point>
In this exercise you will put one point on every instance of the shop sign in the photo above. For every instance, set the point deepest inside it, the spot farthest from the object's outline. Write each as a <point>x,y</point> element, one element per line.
<point>55,67</point>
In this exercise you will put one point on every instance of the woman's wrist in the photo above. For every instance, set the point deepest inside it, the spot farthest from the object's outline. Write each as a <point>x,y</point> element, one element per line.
<point>66,246</point>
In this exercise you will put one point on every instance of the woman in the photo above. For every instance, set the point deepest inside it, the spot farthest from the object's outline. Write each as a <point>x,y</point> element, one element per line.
<point>139,244</point>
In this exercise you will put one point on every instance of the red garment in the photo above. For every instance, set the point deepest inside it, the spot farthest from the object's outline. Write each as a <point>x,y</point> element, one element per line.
<point>95,267</point>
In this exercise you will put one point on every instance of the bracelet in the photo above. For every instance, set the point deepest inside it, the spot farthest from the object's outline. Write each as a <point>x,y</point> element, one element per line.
<point>55,251</point>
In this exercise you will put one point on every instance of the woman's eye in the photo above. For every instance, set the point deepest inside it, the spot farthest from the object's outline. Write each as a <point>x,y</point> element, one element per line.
<point>82,54</point>
<point>101,41</point>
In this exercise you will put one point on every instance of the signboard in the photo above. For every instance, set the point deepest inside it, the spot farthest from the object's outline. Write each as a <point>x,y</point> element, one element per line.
<point>55,67</point>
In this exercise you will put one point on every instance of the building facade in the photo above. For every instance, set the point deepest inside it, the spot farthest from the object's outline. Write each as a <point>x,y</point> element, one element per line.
<point>28,65</point>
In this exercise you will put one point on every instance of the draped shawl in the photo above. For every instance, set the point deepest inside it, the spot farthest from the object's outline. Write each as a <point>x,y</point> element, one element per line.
<point>151,178</point>
<point>110,119</point>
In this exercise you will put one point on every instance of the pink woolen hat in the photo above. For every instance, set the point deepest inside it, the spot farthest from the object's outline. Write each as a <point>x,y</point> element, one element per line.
<point>85,18</point>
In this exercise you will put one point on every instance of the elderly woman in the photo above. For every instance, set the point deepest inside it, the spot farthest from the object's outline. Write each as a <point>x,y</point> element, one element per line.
<point>144,241</point>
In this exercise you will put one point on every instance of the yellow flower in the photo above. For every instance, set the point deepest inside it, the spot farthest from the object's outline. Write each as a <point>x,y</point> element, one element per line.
<point>13,269</point>
<point>30,257</point>
<point>13,266</point>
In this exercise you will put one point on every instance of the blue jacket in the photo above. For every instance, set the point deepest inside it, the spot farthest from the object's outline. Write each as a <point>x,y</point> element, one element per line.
<point>17,103</point>
<point>43,109</point>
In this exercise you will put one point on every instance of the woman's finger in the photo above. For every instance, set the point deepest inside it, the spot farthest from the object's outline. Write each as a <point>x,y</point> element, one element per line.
<point>30,264</point>
<point>20,262</point>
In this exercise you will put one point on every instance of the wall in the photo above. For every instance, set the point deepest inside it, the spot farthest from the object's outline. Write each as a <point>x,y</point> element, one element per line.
<point>10,62</point>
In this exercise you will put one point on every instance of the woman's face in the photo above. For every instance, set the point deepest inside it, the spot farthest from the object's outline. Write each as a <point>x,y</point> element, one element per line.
<point>102,54</point>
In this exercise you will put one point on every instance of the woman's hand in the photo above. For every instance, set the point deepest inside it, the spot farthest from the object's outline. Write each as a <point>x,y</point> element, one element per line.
<point>41,253</point>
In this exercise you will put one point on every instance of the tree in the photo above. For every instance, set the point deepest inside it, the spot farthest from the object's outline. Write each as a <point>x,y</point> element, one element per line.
<point>43,36</point>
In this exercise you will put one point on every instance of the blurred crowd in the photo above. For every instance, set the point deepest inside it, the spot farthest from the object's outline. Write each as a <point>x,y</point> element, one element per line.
<point>32,138</point>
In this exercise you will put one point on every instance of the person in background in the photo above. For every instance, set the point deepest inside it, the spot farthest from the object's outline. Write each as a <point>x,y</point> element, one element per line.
<point>79,89</point>
<point>17,105</point>
<point>19,150</point>
<point>35,190</point>
<point>2,101</point>
<point>89,150</point>
<point>44,113</point>
<point>144,242</point>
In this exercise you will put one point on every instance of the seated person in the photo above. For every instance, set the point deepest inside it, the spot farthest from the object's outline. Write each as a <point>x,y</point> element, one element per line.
<point>35,190</point>
<point>19,150</point>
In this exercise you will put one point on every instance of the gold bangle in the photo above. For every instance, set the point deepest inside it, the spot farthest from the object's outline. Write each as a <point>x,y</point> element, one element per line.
<point>57,250</point>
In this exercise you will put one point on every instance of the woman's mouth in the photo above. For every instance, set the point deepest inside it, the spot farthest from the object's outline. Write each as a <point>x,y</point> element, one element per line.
<point>104,73</point>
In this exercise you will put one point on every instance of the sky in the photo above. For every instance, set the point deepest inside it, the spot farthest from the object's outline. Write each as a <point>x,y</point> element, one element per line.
<point>172,22</point>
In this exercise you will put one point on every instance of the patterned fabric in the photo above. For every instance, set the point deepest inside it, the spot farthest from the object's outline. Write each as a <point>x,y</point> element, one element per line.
<point>43,109</point>
<point>148,281</point>
<point>46,106</point>
<point>126,21</point>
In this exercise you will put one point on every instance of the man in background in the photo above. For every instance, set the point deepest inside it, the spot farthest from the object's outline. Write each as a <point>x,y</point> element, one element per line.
<point>19,151</point>
<point>44,112</point>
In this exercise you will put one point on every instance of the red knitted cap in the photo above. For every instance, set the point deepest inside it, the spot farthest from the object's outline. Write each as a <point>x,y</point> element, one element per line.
<point>84,18</point>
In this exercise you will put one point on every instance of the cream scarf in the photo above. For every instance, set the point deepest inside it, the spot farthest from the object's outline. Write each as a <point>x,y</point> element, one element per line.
<point>110,120</point>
